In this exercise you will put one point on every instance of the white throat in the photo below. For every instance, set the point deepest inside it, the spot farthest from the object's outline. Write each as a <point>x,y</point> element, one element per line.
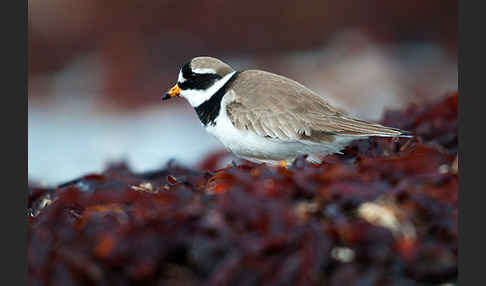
<point>196,96</point>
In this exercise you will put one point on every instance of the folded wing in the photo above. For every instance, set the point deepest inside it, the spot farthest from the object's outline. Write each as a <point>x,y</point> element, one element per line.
<point>278,107</point>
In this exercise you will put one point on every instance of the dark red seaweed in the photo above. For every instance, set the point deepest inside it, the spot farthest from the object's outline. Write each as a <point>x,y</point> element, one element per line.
<point>382,213</point>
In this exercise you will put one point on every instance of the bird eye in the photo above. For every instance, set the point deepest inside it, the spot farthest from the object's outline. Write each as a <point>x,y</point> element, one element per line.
<point>199,81</point>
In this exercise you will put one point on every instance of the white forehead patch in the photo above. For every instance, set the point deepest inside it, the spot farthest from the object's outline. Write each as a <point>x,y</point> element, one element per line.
<point>197,97</point>
<point>181,78</point>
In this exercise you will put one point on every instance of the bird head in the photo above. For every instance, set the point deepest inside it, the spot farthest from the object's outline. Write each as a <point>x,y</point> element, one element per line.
<point>199,79</point>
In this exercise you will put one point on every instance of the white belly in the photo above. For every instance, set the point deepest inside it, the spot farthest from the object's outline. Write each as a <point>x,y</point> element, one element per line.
<point>250,146</point>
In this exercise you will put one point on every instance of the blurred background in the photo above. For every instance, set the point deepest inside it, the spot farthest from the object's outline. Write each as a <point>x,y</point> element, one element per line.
<point>97,69</point>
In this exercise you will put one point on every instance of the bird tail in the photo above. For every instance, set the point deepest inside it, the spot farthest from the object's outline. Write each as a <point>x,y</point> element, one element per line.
<point>356,127</point>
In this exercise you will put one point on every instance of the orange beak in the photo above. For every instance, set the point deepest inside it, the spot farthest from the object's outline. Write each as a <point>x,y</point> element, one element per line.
<point>174,91</point>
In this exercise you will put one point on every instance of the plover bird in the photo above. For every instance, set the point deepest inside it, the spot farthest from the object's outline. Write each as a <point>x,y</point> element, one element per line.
<point>267,118</point>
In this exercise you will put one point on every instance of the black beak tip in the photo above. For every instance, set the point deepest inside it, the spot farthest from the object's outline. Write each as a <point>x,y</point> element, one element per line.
<point>165,96</point>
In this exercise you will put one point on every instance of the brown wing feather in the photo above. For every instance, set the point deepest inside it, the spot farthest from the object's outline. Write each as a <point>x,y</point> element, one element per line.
<point>278,107</point>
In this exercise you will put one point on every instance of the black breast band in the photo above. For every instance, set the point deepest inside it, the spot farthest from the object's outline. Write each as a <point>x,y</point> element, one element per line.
<point>209,110</point>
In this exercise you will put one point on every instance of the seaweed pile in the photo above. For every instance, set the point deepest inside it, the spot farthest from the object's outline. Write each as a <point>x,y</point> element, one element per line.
<point>382,213</point>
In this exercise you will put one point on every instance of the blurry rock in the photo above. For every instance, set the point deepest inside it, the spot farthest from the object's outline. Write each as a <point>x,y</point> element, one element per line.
<point>142,44</point>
